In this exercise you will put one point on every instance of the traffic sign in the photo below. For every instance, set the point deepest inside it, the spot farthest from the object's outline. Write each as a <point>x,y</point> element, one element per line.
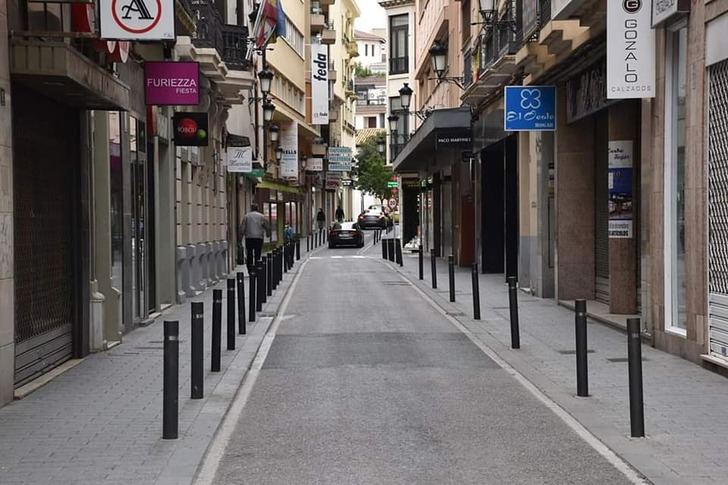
<point>392,185</point>
<point>137,19</point>
<point>392,203</point>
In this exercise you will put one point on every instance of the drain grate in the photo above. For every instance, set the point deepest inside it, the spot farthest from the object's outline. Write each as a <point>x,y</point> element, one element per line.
<point>573,352</point>
<point>149,348</point>
<point>617,360</point>
<point>396,283</point>
<point>500,308</point>
<point>455,314</point>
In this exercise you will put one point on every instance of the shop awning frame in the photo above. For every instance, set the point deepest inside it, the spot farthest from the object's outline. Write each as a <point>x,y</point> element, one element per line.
<point>270,185</point>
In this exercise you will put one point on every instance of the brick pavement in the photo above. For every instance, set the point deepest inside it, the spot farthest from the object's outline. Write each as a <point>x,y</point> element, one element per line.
<point>101,421</point>
<point>684,403</point>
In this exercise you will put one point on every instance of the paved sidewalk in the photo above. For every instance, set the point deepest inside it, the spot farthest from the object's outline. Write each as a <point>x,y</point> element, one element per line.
<point>101,421</point>
<point>686,423</point>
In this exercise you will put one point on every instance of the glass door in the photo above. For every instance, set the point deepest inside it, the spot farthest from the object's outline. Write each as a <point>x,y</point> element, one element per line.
<point>137,154</point>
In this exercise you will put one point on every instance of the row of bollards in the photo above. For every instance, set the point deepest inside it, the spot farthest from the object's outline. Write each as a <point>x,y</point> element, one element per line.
<point>392,250</point>
<point>264,277</point>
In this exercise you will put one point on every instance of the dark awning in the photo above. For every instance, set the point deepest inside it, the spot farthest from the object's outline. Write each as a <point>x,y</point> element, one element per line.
<point>444,130</point>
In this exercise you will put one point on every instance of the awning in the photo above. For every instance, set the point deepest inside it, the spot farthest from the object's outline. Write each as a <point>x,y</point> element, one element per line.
<point>267,184</point>
<point>445,131</point>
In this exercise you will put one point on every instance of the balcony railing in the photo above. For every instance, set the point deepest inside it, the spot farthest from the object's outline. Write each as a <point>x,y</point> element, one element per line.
<point>230,41</point>
<point>398,65</point>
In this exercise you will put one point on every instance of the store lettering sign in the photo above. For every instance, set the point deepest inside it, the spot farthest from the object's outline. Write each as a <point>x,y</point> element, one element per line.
<point>137,19</point>
<point>172,83</point>
<point>239,159</point>
<point>530,108</point>
<point>664,10</point>
<point>630,50</point>
<point>190,129</point>
<point>319,84</point>
<point>314,164</point>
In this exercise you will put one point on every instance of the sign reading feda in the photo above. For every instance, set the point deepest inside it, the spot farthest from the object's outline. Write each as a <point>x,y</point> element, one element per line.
<point>289,145</point>
<point>530,108</point>
<point>239,159</point>
<point>137,19</point>
<point>172,83</point>
<point>630,50</point>
<point>339,159</point>
<point>320,84</point>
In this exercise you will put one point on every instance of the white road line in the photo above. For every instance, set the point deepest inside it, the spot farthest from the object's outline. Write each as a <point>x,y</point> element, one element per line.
<point>620,464</point>
<point>216,450</point>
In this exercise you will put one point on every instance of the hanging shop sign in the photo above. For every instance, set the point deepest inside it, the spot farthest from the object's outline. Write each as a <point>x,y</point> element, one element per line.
<point>339,159</point>
<point>172,83</point>
<point>664,10</point>
<point>239,159</point>
<point>530,108</point>
<point>190,129</point>
<point>586,93</point>
<point>289,144</point>
<point>621,154</point>
<point>137,19</point>
<point>630,50</point>
<point>314,164</point>
<point>332,181</point>
<point>319,84</point>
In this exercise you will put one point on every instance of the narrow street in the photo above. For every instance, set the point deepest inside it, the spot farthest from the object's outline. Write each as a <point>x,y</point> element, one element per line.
<point>365,382</point>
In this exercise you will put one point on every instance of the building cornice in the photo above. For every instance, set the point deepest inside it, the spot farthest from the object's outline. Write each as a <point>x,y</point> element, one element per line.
<point>385,4</point>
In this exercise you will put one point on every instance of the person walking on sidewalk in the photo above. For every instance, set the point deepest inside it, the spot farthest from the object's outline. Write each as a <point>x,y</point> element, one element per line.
<point>253,229</point>
<point>321,221</point>
<point>340,214</point>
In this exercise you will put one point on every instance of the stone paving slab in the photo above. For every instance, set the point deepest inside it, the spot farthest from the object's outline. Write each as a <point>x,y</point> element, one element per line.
<point>684,403</point>
<point>101,421</point>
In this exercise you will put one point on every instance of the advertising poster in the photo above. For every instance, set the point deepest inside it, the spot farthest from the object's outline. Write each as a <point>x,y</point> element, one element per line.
<point>289,145</point>
<point>172,83</point>
<point>320,84</point>
<point>621,211</point>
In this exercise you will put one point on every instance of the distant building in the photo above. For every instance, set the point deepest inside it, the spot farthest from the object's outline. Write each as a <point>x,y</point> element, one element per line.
<point>372,50</point>
<point>371,102</point>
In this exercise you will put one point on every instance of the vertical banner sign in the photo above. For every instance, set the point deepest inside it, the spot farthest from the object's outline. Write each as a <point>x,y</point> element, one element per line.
<point>289,145</point>
<point>630,50</point>
<point>620,189</point>
<point>239,159</point>
<point>320,84</point>
<point>137,19</point>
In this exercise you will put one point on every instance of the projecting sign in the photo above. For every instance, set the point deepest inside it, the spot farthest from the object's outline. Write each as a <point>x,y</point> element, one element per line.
<point>339,159</point>
<point>172,83</point>
<point>239,159</point>
<point>190,129</point>
<point>630,50</point>
<point>621,153</point>
<point>319,84</point>
<point>289,144</point>
<point>664,10</point>
<point>137,19</point>
<point>314,164</point>
<point>530,108</point>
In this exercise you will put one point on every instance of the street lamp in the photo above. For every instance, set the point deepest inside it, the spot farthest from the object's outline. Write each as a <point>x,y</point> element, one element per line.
<point>266,79</point>
<point>279,154</point>
<point>268,109</point>
<point>405,96</point>
<point>438,57</point>
<point>274,131</point>
<point>487,10</point>
<point>381,145</point>
<point>393,120</point>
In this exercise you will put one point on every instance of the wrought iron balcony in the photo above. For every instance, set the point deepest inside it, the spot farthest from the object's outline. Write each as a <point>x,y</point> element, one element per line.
<point>230,41</point>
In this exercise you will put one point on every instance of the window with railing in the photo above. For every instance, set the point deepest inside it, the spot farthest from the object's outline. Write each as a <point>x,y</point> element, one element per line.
<point>230,41</point>
<point>468,68</point>
<point>398,44</point>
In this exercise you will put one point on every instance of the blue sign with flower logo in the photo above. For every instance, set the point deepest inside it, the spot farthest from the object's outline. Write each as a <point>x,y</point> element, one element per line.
<point>530,108</point>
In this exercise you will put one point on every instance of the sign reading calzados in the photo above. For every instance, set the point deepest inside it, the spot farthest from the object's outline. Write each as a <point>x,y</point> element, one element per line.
<point>319,84</point>
<point>630,50</point>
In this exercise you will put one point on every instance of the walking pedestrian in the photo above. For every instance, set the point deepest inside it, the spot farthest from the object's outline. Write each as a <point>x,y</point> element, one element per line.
<point>321,221</point>
<point>340,214</point>
<point>253,228</point>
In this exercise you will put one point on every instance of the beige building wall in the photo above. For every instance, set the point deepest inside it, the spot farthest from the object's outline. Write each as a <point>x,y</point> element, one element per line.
<point>7,303</point>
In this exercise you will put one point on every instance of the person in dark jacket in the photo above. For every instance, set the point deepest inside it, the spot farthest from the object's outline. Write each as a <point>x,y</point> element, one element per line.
<point>253,228</point>
<point>340,214</point>
<point>321,221</point>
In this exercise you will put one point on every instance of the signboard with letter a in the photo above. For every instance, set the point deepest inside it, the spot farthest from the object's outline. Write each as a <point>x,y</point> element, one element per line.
<point>137,19</point>
<point>630,50</point>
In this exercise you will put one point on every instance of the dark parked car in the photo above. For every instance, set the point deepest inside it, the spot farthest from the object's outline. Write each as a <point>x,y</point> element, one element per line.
<point>372,218</point>
<point>346,234</point>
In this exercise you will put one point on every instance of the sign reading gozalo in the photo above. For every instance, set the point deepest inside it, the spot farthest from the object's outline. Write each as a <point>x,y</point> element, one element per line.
<point>621,154</point>
<point>630,50</point>
<point>530,108</point>
<point>339,159</point>
<point>137,19</point>
<point>320,84</point>
<point>239,159</point>
<point>289,144</point>
<point>172,83</point>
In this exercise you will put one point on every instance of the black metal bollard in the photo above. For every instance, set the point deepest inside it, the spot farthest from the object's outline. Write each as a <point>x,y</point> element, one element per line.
<point>476,293</point>
<point>231,314</point>
<point>451,276</point>
<point>582,371</point>
<point>421,258</point>
<point>197,350</point>
<point>252,297</point>
<point>241,304</point>
<point>308,243</point>
<point>390,249</point>
<point>269,274</point>
<point>634,357</point>
<point>298,249</point>
<point>263,273</point>
<point>285,255</point>
<point>260,274</point>
<point>384,250</point>
<point>398,252</point>
<point>316,240</point>
<point>170,385</point>
<point>216,330</point>
<point>433,264</point>
<point>513,306</point>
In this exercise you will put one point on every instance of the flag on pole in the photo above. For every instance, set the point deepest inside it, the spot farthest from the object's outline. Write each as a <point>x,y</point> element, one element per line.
<point>270,23</point>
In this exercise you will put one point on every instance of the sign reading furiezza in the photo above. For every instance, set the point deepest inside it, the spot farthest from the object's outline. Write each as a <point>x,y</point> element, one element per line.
<point>190,129</point>
<point>137,19</point>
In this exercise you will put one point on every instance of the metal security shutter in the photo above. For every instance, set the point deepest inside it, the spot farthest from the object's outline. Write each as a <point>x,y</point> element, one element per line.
<point>718,210</point>
<point>46,157</point>
<point>601,211</point>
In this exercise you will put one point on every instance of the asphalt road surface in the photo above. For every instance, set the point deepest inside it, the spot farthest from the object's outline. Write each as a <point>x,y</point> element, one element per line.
<point>365,383</point>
